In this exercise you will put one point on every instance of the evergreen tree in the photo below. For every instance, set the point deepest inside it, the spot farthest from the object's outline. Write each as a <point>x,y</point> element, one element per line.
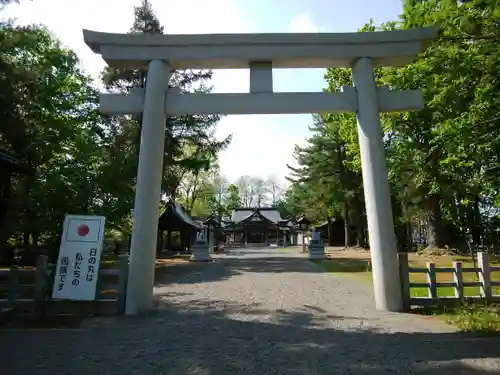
<point>232,200</point>
<point>190,143</point>
<point>327,186</point>
<point>438,158</point>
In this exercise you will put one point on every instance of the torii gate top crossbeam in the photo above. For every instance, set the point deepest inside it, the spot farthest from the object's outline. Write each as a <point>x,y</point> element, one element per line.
<point>237,51</point>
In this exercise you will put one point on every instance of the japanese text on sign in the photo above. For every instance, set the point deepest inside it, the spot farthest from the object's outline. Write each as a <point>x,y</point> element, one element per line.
<point>63,271</point>
<point>91,266</point>
<point>79,257</point>
<point>77,269</point>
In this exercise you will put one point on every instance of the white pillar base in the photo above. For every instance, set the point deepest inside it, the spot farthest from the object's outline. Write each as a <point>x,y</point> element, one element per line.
<point>386,281</point>
<point>147,193</point>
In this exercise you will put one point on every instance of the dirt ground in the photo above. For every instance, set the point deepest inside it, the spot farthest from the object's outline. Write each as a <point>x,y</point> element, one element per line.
<point>253,311</point>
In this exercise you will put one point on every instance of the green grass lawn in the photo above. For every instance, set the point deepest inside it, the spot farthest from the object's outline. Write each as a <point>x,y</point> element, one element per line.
<point>448,277</point>
<point>359,268</point>
<point>348,267</point>
<point>473,317</point>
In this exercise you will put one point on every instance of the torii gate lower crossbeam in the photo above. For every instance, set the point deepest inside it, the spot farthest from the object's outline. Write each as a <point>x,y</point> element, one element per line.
<point>260,53</point>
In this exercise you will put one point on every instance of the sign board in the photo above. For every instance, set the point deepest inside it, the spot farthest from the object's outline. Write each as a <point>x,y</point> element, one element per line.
<point>79,258</point>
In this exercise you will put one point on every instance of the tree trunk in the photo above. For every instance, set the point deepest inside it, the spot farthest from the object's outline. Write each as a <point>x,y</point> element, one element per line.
<point>347,225</point>
<point>360,223</point>
<point>473,222</point>
<point>329,232</point>
<point>435,234</point>
<point>26,240</point>
<point>409,236</point>
<point>4,202</point>
<point>399,225</point>
<point>361,230</point>
<point>158,242</point>
<point>360,236</point>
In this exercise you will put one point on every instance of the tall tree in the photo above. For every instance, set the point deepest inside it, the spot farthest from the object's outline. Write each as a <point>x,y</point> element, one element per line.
<point>274,190</point>
<point>232,199</point>
<point>438,157</point>
<point>457,77</point>
<point>325,181</point>
<point>244,190</point>
<point>50,120</point>
<point>190,142</point>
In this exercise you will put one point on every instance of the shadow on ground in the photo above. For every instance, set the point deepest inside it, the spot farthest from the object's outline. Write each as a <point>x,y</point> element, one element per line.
<point>216,337</point>
<point>225,268</point>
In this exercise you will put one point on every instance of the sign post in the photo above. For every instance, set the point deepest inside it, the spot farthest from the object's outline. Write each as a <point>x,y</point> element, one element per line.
<point>79,258</point>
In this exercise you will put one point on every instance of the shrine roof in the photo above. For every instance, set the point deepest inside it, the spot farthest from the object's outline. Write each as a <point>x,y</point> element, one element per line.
<point>174,216</point>
<point>270,213</point>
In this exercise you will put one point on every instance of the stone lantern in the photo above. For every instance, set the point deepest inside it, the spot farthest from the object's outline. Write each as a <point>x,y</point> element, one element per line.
<point>304,224</point>
<point>200,252</point>
<point>316,249</point>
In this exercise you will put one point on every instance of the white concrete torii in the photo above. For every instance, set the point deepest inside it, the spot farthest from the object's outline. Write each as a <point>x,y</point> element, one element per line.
<point>159,54</point>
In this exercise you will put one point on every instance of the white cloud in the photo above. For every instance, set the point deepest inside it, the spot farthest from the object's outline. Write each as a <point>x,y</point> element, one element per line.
<point>262,145</point>
<point>303,23</point>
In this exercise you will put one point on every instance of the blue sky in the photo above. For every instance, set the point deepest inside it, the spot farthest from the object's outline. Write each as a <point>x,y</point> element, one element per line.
<point>262,145</point>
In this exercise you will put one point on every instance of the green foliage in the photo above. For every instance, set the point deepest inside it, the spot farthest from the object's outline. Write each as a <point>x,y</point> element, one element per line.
<point>438,158</point>
<point>81,162</point>
<point>232,200</point>
<point>190,143</point>
<point>50,120</point>
<point>327,184</point>
<point>475,318</point>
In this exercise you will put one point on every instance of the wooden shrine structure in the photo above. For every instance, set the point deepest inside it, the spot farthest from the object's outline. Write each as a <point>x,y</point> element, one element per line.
<point>332,231</point>
<point>176,229</point>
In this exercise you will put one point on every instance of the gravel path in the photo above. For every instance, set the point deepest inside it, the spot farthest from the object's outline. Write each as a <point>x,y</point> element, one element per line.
<point>254,312</point>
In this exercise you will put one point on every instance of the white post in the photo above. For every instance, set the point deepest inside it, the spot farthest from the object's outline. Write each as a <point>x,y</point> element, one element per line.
<point>377,195</point>
<point>211,238</point>
<point>484,275</point>
<point>148,190</point>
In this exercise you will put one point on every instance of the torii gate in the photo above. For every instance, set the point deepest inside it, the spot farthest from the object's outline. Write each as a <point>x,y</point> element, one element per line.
<point>362,52</point>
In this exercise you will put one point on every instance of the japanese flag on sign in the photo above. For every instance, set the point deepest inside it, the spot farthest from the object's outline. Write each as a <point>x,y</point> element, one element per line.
<point>79,257</point>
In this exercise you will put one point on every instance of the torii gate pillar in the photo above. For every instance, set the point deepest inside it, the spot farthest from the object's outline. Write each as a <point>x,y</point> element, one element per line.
<point>147,191</point>
<point>383,248</point>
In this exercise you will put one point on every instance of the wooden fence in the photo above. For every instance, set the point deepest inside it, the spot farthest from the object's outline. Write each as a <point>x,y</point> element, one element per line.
<point>30,290</point>
<point>483,283</point>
